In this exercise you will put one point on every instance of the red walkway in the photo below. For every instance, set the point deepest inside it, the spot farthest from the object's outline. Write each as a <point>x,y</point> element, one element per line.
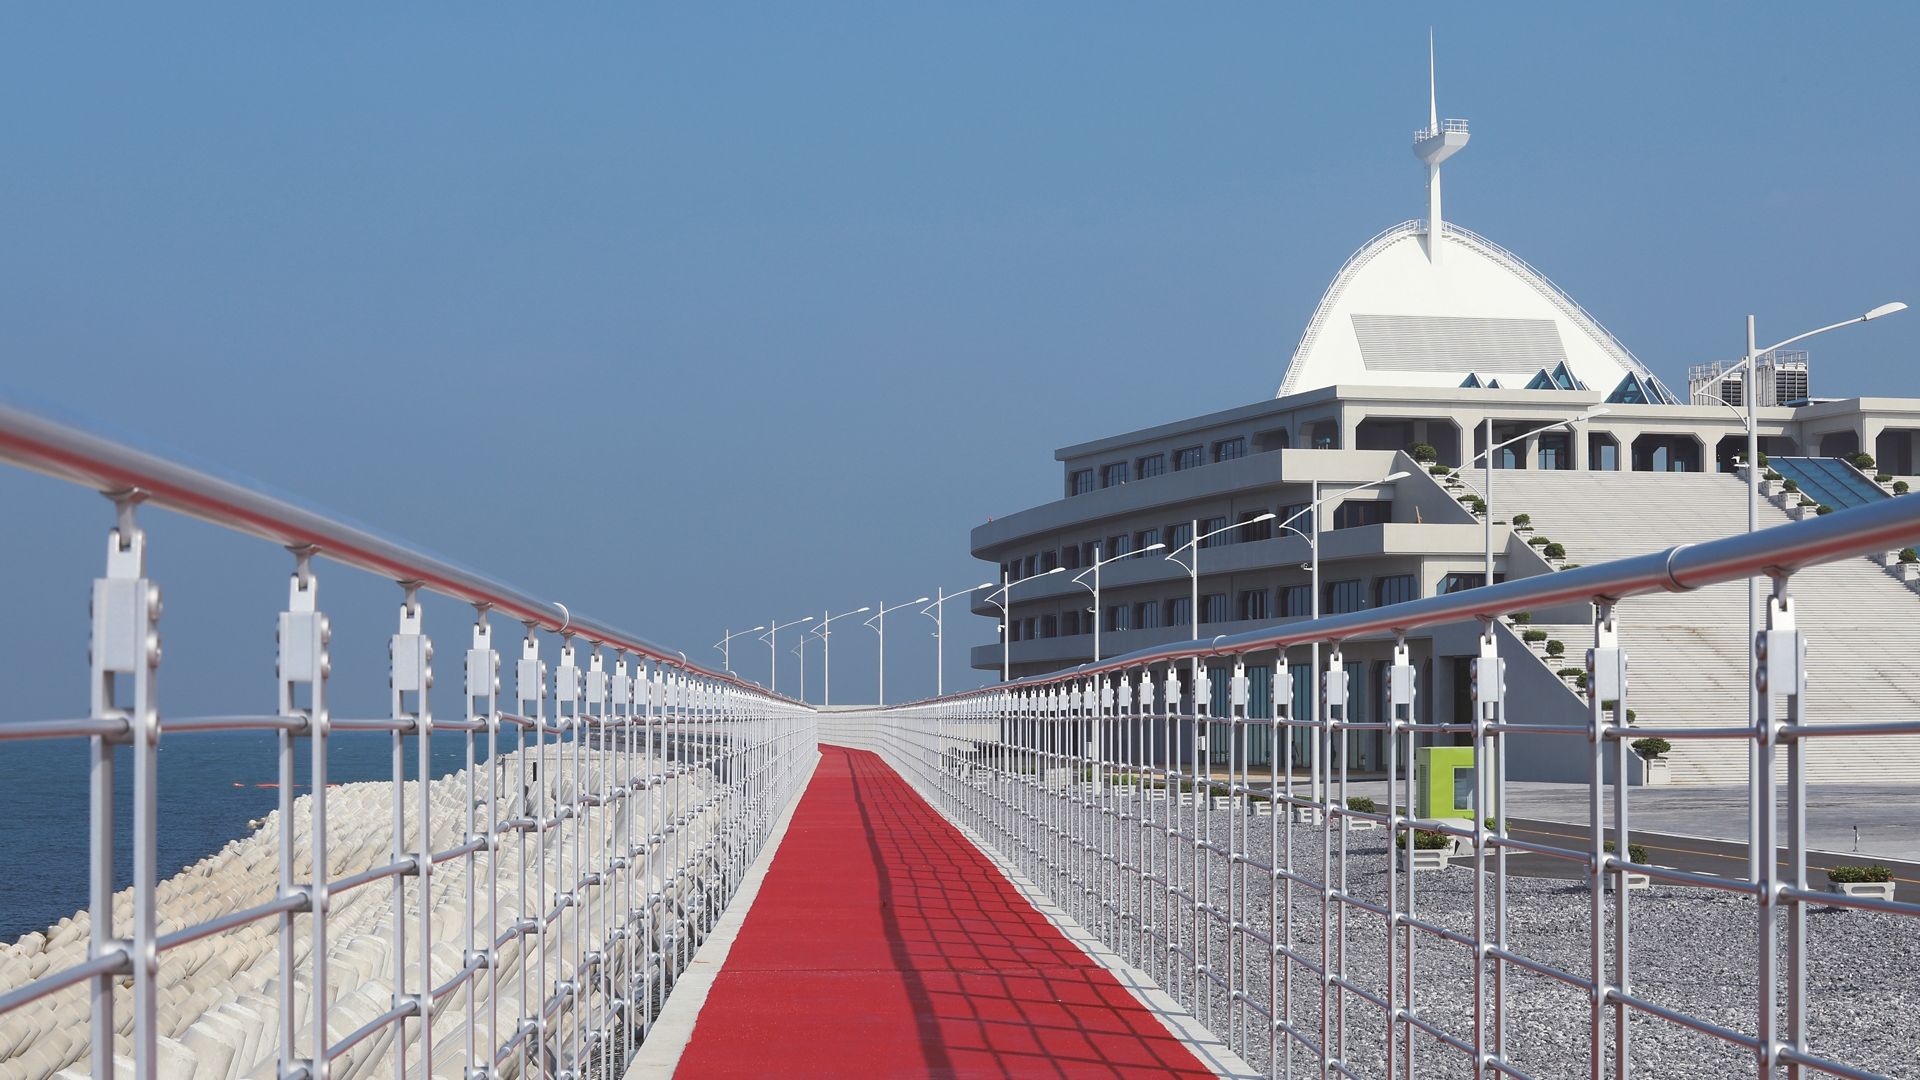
<point>883,944</point>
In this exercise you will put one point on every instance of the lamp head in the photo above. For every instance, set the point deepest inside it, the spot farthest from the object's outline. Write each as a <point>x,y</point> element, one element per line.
<point>1883,309</point>
<point>1598,410</point>
<point>1268,516</point>
<point>1393,476</point>
<point>983,585</point>
<point>1055,570</point>
<point>922,600</point>
<point>762,626</point>
<point>1157,547</point>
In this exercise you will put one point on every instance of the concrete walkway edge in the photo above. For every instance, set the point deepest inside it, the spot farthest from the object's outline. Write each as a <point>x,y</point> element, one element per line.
<point>659,1055</point>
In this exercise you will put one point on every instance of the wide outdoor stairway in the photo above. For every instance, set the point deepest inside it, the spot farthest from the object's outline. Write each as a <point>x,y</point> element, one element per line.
<point>1686,652</point>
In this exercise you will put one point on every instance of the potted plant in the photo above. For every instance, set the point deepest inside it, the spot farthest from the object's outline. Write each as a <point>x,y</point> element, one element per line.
<point>1521,618</point>
<point>1556,647</point>
<point>1554,550</point>
<point>1874,882</point>
<point>1908,565</point>
<point>1899,487</point>
<point>1523,521</point>
<point>1423,453</point>
<point>1883,478</point>
<point>1635,879</point>
<point>1652,753</point>
<point>1432,849</point>
<point>1533,637</point>
<point>1863,462</point>
<point>1538,541</point>
<point>1439,470</point>
<point>1361,804</point>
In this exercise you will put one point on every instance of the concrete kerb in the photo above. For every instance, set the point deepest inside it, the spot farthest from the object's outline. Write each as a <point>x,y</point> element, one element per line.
<point>659,1055</point>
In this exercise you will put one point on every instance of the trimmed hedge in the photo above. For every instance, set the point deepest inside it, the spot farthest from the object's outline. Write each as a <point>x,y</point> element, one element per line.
<point>1862,461</point>
<point>1790,486</point>
<point>1523,520</point>
<point>1423,452</point>
<point>1650,748</point>
<point>1908,555</point>
<point>1556,647</point>
<point>1635,852</point>
<point>1360,803</point>
<point>1427,840</point>
<point>1531,636</point>
<point>1899,487</point>
<point>1555,550</point>
<point>1858,875</point>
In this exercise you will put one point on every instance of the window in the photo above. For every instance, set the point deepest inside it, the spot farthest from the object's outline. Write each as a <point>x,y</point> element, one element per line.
<point>1119,545</point>
<point>1119,617</point>
<point>1179,536</point>
<point>1070,556</point>
<point>1013,630</point>
<point>1151,465</point>
<point>1190,457</point>
<point>1079,482</point>
<point>1049,560</point>
<point>1253,604</point>
<point>1213,608</point>
<point>1250,530</point>
<point>1350,514</point>
<point>1343,596</point>
<point>1228,449</point>
<point>1070,623</point>
<point>1304,522</point>
<point>1026,629</point>
<point>1214,525</point>
<point>1049,626</point>
<point>1146,615</point>
<point>1397,589</point>
<point>1179,611</point>
<point>1113,474</point>
<point>1145,539</point>
<point>1454,583</point>
<point>1294,601</point>
<point>1030,566</point>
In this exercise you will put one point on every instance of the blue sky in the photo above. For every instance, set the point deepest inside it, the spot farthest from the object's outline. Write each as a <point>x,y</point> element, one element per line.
<point>699,315</point>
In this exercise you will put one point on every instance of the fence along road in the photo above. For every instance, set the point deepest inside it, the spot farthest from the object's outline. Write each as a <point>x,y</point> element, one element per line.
<point>1235,891</point>
<point>553,888</point>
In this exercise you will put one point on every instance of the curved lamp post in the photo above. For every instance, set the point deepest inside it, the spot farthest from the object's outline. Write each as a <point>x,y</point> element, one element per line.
<point>1005,593</point>
<point>934,611</point>
<point>878,620</point>
<point>826,650</point>
<point>1099,562</point>
<point>725,646</point>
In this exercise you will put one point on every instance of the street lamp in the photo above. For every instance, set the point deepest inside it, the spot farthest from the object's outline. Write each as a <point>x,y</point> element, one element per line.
<point>800,650</point>
<point>1487,484</point>
<point>826,650</point>
<point>1748,395</point>
<point>1312,511</point>
<point>1005,593</point>
<point>772,637</point>
<point>1192,565</point>
<point>933,611</point>
<point>1099,562</point>
<point>878,620</point>
<point>725,646</point>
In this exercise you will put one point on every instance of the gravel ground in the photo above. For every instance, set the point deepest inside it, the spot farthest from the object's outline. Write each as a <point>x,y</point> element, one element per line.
<point>1692,950</point>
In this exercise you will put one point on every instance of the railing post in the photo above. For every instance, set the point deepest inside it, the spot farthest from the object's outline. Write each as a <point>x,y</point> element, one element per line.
<point>483,818</point>
<point>1333,715</point>
<point>125,642</point>
<point>530,693</point>
<point>1607,683</point>
<point>411,658</point>
<point>1780,674</point>
<point>1605,642</point>
<point>301,644</point>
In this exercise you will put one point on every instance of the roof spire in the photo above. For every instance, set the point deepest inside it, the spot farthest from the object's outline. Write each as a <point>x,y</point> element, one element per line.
<point>1434,144</point>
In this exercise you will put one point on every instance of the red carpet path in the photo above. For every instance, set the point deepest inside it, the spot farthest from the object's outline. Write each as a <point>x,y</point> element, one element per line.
<point>884,944</point>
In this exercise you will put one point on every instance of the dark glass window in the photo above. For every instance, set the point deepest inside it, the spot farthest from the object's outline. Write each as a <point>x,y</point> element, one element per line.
<point>1253,604</point>
<point>1180,611</point>
<point>1151,465</point>
<point>1304,522</point>
<point>1145,539</point>
<point>1454,583</point>
<point>1119,617</point>
<point>1179,536</point>
<point>1294,601</point>
<point>1119,545</point>
<point>1031,566</point>
<point>1080,482</point>
<point>1350,515</point>
<point>1213,525</point>
<point>1070,623</point>
<point>1397,589</point>
<point>1146,614</point>
<point>1070,556</point>
<point>1251,530</point>
<point>1115,473</point>
<point>1049,560</point>
<point>1228,449</point>
<point>1342,597</point>
<point>1190,457</point>
<point>1213,608</point>
<point>1049,626</point>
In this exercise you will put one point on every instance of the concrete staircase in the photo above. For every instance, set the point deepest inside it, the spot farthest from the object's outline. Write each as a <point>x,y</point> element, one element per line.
<point>1687,652</point>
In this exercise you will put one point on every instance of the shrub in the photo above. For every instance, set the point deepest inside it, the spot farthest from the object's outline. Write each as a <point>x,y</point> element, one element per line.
<point>1823,509</point>
<point>1790,486</point>
<point>1556,647</point>
<point>1862,461</point>
<point>1883,478</point>
<point>1438,470</point>
<point>1632,716</point>
<point>1763,464</point>
<point>1477,504</point>
<point>1423,452</point>
<point>1908,555</point>
<point>1570,672</point>
<point>1360,803</point>
<point>1899,487</point>
<point>1522,617</point>
<point>1856,875</point>
<point>1771,475</point>
<point>1650,748</point>
<point>1807,500</point>
<point>1522,520</point>
<point>1581,682</point>
<point>1635,852</point>
<point>1427,840</point>
<point>1538,541</point>
<point>1532,636</point>
<point>1570,566</point>
<point>1554,551</point>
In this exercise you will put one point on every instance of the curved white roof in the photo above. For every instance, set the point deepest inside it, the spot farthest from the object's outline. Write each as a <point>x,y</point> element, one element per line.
<point>1395,317</point>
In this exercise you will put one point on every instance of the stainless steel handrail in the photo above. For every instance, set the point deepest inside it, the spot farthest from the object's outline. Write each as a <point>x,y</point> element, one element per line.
<point>61,450</point>
<point>1884,526</point>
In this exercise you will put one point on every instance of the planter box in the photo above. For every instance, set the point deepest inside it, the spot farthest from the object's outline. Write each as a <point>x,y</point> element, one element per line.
<point>1635,882</point>
<point>1658,771</point>
<point>1871,890</point>
<point>1306,815</point>
<point>1439,859</point>
<point>1262,809</point>
<point>1908,572</point>
<point>1358,825</point>
<point>1223,802</point>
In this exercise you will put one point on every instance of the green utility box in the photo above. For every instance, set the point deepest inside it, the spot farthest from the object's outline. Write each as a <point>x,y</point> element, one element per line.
<point>1443,782</point>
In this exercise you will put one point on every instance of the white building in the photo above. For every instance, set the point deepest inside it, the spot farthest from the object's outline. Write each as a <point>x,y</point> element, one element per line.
<point>1431,336</point>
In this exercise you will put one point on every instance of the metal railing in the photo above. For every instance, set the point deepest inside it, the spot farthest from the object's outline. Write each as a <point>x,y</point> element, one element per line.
<point>1242,879</point>
<point>1443,128</point>
<point>541,900</point>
